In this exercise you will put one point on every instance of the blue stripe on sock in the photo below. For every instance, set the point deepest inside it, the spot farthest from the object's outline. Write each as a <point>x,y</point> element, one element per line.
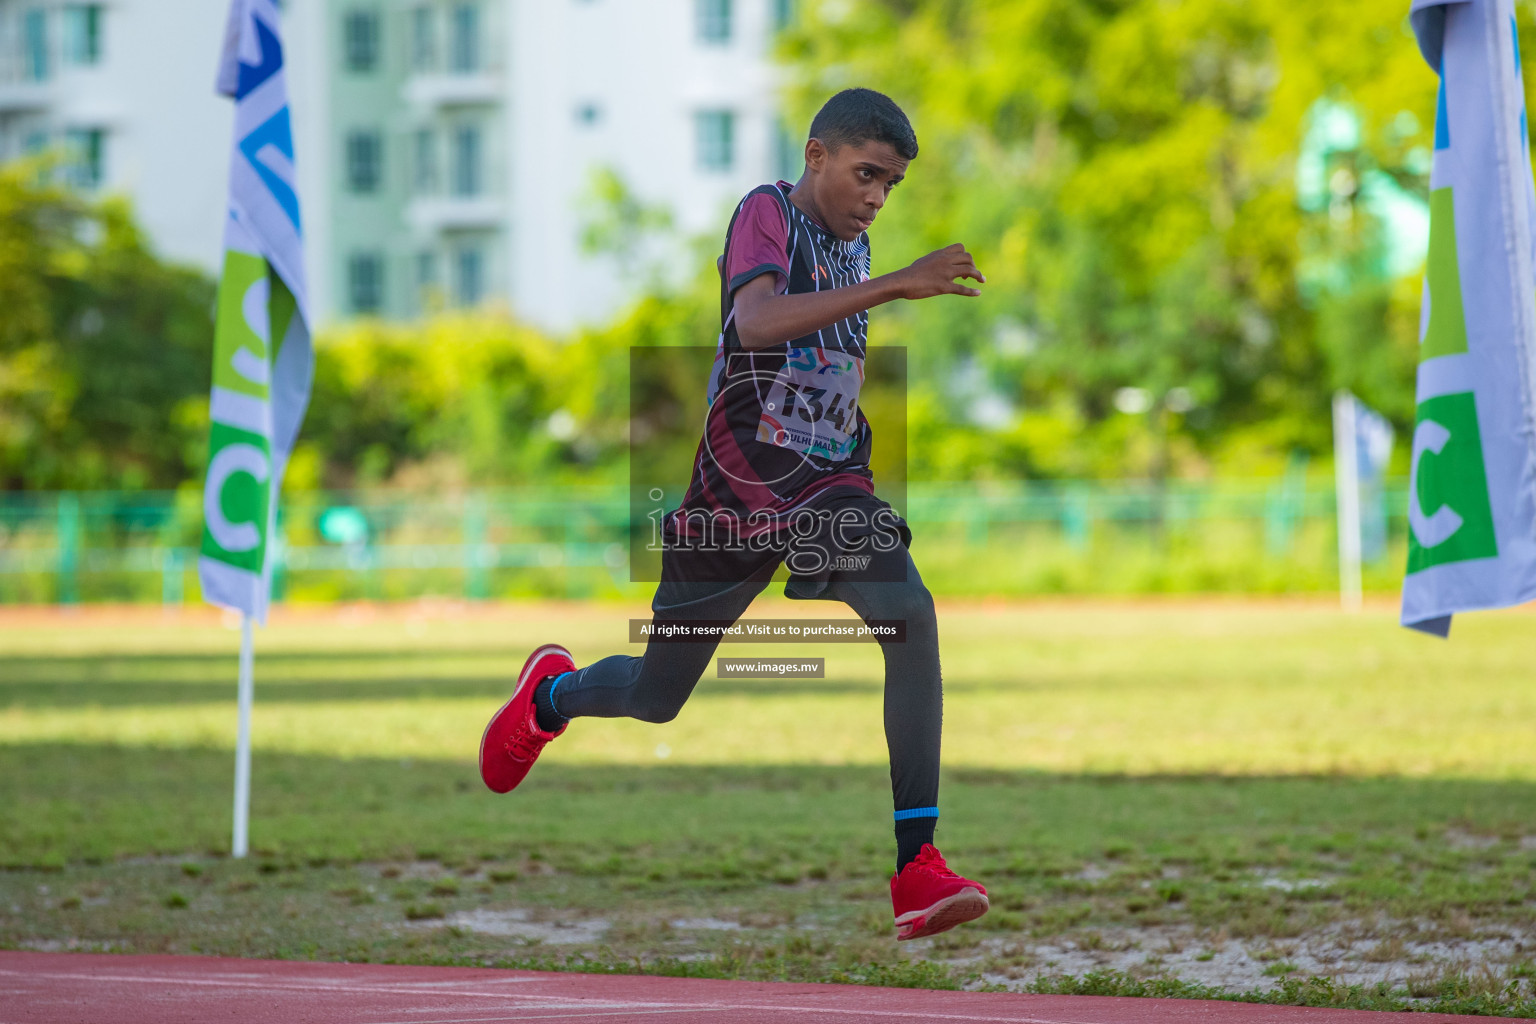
<point>914,812</point>
<point>552,686</point>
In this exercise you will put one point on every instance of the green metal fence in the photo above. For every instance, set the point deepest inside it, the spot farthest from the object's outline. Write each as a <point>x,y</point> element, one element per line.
<point>93,546</point>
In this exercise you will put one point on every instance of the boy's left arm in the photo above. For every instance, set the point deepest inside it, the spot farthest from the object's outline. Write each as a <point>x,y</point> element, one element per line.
<point>764,318</point>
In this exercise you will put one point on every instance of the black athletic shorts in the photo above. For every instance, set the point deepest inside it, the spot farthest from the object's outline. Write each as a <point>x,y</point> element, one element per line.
<point>819,543</point>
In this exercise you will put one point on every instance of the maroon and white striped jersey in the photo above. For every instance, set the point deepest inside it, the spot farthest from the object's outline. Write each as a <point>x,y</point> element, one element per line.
<point>784,431</point>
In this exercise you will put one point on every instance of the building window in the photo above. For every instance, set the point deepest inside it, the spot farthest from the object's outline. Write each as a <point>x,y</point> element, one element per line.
<point>714,20</point>
<point>365,282</point>
<point>783,14</point>
<point>465,53</point>
<point>365,152</point>
<point>423,39</point>
<point>588,114</point>
<point>470,273</point>
<point>34,31</point>
<point>424,178</point>
<point>85,148</point>
<point>82,34</point>
<point>713,130</point>
<point>466,161</point>
<point>426,269</point>
<point>361,36</point>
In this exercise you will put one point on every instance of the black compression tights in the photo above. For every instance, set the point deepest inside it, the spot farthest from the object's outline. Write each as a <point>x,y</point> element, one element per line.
<point>653,688</point>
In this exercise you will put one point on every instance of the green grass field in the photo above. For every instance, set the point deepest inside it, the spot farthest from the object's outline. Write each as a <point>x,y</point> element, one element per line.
<point>1184,797</point>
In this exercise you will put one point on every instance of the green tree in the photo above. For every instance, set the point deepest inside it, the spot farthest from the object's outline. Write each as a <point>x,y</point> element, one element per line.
<point>471,399</point>
<point>1125,171</point>
<point>104,349</point>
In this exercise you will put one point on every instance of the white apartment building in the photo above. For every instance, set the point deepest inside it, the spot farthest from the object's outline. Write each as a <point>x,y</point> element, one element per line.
<point>446,148</point>
<point>124,90</point>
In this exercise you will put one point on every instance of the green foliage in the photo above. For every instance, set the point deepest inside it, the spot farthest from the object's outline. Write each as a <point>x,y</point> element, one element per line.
<point>1125,172</point>
<point>1154,190</point>
<point>104,368</point>
<point>389,396</point>
<point>477,398</point>
<point>105,364</point>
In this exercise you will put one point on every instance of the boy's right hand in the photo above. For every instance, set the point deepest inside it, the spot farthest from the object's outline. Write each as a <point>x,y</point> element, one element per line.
<point>935,274</point>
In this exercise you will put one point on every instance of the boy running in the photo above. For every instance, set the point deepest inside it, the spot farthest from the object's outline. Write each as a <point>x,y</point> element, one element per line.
<point>782,474</point>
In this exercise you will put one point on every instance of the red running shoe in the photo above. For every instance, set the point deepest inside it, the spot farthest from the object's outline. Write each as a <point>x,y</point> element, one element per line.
<point>928,898</point>
<point>513,739</point>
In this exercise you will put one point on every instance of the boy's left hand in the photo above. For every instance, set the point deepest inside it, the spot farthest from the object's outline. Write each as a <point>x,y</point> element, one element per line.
<point>935,274</point>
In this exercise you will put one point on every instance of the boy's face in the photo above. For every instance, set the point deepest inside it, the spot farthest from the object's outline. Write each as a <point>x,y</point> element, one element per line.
<point>851,184</point>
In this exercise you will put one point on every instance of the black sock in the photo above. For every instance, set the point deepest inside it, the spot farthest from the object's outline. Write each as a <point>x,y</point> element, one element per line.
<point>911,834</point>
<point>549,719</point>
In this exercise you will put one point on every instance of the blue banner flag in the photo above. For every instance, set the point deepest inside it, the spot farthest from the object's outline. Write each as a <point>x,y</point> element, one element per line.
<point>1472,487</point>
<point>263,362</point>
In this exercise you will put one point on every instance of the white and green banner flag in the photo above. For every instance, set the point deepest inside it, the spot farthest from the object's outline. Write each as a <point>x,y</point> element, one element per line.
<point>1472,490</point>
<point>262,360</point>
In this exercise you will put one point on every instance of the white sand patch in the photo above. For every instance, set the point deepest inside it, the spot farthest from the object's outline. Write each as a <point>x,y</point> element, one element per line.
<point>1339,952</point>
<point>709,924</point>
<point>518,924</point>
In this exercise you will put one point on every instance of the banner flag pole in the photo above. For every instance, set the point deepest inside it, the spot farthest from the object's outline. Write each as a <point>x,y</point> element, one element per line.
<point>1346,478</point>
<point>239,845</point>
<point>263,361</point>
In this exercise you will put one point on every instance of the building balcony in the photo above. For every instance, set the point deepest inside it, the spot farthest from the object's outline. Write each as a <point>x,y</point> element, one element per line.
<point>455,213</point>
<point>433,90</point>
<point>18,95</point>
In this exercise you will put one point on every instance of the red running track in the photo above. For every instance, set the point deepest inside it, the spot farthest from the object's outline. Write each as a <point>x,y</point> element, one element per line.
<point>65,988</point>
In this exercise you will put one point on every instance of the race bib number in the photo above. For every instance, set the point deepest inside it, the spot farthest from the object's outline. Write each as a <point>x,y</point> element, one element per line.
<point>813,404</point>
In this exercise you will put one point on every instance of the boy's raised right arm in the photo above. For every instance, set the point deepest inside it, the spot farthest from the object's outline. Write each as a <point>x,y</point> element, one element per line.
<point>764,318</point>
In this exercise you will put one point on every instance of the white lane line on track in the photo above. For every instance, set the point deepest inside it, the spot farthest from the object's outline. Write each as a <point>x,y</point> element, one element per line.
<point>842,1011</point>
<point>553,1016</point>
<point>398,988</point>
<point>574,1002</point>
<point>854,1012</point>
<point>467,981</point>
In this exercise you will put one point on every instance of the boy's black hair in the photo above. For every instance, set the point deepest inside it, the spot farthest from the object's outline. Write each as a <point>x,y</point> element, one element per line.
<point>856,116</point>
